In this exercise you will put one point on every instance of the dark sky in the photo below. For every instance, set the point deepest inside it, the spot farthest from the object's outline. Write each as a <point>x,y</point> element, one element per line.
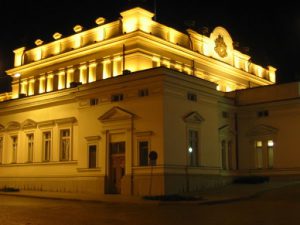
<point>270,30</point>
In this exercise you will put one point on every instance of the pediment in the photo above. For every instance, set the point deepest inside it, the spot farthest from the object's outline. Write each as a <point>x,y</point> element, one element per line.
<point>27,124</point>
<point>262,130</point>
<point>193,117</point>
<point>116,113</point>
<point>13,125</point>
<point>225,130</point>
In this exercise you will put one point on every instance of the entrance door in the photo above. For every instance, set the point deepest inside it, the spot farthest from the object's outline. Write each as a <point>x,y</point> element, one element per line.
<point>117,166</point>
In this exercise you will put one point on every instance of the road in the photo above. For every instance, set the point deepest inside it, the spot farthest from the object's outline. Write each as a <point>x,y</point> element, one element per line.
<point>277,207</point>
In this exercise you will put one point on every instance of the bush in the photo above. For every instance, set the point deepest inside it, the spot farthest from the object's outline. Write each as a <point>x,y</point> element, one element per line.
<point>251,180</point>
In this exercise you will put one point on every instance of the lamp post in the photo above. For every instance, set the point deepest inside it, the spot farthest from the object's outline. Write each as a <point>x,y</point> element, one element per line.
<point>17,75</point>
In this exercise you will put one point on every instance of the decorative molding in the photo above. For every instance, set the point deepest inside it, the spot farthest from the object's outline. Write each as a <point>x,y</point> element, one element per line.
<point>66,120</point>
<point>116,113</point>
<point>143,133</point>
<point>49,123</point>
<point>13,125</point>
<point>262,130</point>
<point>193,117</point>
<point>29,124</point>
<point>226,130</point>
<point>92,138</point>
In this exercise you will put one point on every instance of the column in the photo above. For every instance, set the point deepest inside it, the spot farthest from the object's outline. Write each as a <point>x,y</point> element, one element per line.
<point>117,66</point>
<point>92,72</point>
<point>107,70</point>
<point>70,76</point>
<point>61,79</point>
<point>83,74</point>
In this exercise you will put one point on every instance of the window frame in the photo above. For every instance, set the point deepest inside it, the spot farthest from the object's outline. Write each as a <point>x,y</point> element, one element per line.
<point>44,158</point>
<point>193,157</point>
<point>14,154</point>
<point>61,146</point>
<point>139,151</point>
<point>30,155</point>
<point>88,155</point>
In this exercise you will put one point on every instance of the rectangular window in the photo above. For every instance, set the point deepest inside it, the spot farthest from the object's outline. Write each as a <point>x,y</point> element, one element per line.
<point>143,153</point>
<point>14,148</point>
<point>224,160</point>
<point>117,98</point>
<point>65,144</point>
<point>143,92</point>
<point>264,113</point>
<point>30,141</point>
<point>192,97</point>
<point>270,153</point>
<point>193,147</point>
<point>259,154</point>
<point>92,156</point>
<point>117,148</point>
<point>46,145</point>
<point>225,114</point>
<point>1,149</point>
<point>93,101</point>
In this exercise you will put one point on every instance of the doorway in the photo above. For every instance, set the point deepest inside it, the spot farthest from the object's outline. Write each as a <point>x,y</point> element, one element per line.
<point>117,166</point>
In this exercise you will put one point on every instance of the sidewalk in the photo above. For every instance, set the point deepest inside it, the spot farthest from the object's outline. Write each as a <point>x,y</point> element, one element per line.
<point>229,193</point>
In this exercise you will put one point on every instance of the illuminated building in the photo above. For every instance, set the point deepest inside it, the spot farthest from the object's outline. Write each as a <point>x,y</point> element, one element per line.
<point>86,110</point>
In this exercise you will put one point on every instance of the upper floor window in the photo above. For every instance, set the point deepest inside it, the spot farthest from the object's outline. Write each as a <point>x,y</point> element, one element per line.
<point>117,97</point>
<point>192,97</point>
<point>143,92</point>
<point>263,113</point>
<point>94,101</point>
<point>65,144</point>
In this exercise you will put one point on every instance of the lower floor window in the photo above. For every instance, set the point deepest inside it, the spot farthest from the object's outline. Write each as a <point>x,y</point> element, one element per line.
<point>143,153</point>
<point>92,156</point>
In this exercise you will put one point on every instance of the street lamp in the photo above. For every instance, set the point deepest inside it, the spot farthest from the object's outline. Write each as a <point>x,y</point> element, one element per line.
<point>17,75</point>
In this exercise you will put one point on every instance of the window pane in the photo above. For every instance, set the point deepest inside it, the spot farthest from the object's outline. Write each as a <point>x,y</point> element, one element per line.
<point>46,145</point>
<point>143,151</point>
<point>193,147</point>
<point>65,141</point>
<point>14,148</point>
<point>92,156</point>
<point>30,141</point>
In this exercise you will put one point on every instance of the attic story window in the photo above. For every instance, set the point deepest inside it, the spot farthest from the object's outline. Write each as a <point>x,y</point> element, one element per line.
<point>263,113</point>
<point>192,97</point>
<point>94,101</point>
<point>117,97</point>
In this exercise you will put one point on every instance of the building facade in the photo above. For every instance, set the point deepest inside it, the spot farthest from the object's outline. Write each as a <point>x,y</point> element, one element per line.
<point>86,111</point>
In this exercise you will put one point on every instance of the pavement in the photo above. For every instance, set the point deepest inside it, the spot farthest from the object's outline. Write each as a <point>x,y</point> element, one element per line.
<point>229,193</point>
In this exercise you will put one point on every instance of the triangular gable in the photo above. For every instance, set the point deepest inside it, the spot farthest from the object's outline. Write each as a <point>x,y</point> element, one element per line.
<point>13,126</point>
<point>27,124</point>
<point>226,129</point>
<point>261,130</point>
<point>116,113</point>
<point>193,117</point>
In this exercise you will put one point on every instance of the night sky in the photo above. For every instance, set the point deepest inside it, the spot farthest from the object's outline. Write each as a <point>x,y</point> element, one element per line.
<point>270,32</point>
